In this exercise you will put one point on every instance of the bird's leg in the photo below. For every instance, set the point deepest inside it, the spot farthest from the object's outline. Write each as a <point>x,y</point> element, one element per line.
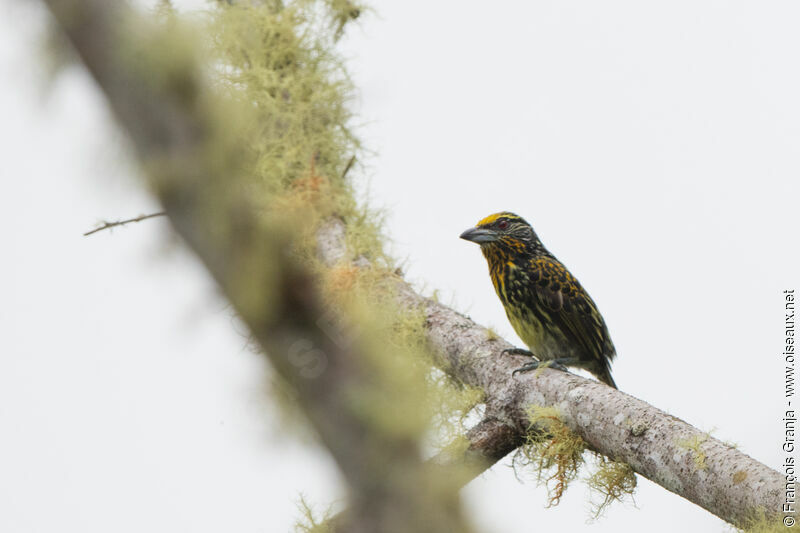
<point>518,351</point>
<point>559,363</point>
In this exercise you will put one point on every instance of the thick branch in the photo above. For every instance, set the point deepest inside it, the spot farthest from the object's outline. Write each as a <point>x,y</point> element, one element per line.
<point>489,441</point>
<point>728,483</point>
<point>210,208</point>
<point>246,260</point>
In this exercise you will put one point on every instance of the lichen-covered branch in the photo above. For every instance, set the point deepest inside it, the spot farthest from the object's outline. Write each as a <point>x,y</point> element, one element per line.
<point>658,446</point>
<point>196,165</point>
<point>728,483</point>
<point>484,444</point>
<point>276,294</point>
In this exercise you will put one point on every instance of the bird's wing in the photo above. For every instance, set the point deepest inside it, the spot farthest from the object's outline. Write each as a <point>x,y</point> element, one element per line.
<point>573,311</point>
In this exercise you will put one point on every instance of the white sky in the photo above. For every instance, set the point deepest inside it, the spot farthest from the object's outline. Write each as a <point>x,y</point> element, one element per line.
<point>654,147</point>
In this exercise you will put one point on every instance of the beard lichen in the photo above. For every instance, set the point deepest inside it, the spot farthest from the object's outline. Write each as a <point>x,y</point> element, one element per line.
<point>556,454</point>
<point>310,520</point>
<point>411,396</point>
<point>552,449</point>
<point>613,481</point>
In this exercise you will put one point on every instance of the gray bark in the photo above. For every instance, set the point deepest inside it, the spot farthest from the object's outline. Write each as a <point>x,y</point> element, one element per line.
<point>731,484</point>
<point>170,129</point>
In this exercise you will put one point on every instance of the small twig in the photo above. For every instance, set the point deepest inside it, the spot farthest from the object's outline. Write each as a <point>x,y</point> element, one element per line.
<point>107,225</point>
<point>348,166</point>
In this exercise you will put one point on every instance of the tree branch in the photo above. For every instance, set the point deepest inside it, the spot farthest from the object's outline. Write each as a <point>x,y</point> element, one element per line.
<point>489,441</point>
<point>168,127</point>
<point>107,225</point>
<point>210,206</point>
<point>658,446</point>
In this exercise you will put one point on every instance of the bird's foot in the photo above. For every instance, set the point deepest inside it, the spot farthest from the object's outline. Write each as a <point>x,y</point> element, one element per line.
<point>557,364</point>
<point>518,351</point>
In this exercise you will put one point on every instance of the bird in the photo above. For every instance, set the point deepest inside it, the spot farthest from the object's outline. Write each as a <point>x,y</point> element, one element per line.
<point>546,305</point>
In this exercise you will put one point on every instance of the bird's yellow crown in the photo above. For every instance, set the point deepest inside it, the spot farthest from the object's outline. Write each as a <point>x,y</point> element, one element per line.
<point>493,218</point>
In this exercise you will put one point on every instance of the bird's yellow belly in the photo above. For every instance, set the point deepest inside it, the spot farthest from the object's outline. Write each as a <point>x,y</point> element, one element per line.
<point>538,339</point>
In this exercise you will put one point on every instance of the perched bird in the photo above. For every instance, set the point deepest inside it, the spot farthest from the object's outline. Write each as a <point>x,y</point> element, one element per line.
<point>545,304</point>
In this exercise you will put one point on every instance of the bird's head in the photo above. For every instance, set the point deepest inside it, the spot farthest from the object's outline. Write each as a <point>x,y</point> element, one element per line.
<point>502,230</point>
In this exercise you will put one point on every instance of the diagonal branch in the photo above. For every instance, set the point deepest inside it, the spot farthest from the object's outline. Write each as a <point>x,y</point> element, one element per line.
<point>658,446</point>
<point>273,292</point>
<point>167,127</point>
<point>490,440</point>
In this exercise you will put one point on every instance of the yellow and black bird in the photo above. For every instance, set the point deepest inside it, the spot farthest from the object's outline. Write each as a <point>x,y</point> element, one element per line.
<point>545,304</point>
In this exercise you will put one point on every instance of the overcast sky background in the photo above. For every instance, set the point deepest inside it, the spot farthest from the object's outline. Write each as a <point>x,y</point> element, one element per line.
<point>653,146</point>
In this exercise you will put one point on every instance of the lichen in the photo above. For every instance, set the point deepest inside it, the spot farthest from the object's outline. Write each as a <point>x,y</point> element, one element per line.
<point>311,521</point>
<point>556,454</point>
<point>342,12</point>
<point>279,63</point>
<point>278,60</point>
<point>759,521</point>
<point>694,444</point>
<point>274,102</point>
<point>552,449</point>
<point>613,480</point>
<point>414,398</point>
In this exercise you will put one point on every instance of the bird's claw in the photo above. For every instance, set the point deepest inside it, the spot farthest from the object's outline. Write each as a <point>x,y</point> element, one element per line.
<point>533,365</point>
<point>518,351</point>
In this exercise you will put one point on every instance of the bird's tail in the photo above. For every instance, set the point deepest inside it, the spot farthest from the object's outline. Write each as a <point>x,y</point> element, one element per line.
<point>604,375</point>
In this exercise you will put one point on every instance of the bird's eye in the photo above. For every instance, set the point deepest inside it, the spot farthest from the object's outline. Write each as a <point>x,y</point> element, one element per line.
<point>502,224</point>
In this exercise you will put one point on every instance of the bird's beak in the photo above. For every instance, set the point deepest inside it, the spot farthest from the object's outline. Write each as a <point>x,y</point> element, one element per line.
<point>479,235</point>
